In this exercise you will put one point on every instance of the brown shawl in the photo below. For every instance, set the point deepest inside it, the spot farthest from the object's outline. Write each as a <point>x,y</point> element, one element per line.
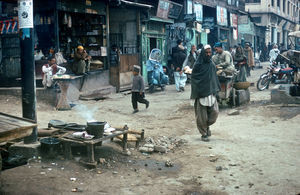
<point>249,56</point>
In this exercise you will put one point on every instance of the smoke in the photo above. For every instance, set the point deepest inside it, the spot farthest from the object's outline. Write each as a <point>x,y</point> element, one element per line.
<point>85,112</point>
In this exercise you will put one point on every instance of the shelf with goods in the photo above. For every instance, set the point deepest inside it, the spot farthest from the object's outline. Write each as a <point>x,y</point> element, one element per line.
<point>86,31</point>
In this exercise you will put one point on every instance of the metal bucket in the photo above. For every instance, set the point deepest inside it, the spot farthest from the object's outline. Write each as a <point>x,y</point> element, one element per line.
<point>95,128</point>
<point>49,147</point>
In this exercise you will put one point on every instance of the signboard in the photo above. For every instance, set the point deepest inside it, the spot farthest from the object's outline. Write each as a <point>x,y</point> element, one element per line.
<point>243,19</point>
<point>208,23</point>
<point>163,9</point>
<point>189,7</point>
<point>233,20</point>
<point>25,14</point>
<point>222,16</point>
<point>174,10</point>
<point>198,27</point>
<point>198,11</point>
<point>246,29</point>
<point>235,34</point>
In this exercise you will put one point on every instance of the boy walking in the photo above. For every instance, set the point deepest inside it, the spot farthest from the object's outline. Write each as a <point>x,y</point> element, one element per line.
<point>138,89</point>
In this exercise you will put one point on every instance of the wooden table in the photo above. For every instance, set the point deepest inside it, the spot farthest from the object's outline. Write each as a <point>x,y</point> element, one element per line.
<point>64,85</point>
<point>68,140</point>
<point>12,127</point>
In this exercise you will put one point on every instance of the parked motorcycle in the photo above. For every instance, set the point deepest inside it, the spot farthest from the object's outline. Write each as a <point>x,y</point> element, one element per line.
<point>155,71</point>
<point>276,75</point>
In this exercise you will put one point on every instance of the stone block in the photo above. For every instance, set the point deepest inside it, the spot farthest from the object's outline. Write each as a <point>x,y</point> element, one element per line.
<point>26,150</point>
<point>282,96</point>
<point>242,97</point>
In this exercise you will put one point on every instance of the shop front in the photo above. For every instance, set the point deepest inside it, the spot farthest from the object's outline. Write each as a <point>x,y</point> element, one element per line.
<point>153,36</point>
<point>125,34</point>
<point>61,26</point>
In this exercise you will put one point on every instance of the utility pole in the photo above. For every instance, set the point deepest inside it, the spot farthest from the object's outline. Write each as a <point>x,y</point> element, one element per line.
<point>25,15</point>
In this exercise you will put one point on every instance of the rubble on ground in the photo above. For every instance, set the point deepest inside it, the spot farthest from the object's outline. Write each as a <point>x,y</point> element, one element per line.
<point>161,144</point>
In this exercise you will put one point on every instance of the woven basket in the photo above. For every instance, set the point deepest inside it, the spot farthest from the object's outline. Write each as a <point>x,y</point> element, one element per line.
<point>241,85</point>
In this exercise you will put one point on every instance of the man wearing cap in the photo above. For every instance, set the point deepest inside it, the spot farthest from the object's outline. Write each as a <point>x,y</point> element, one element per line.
<point>81,63</point>
<point>205,86</point>
<point>223,59</point>
<point>138,89</point>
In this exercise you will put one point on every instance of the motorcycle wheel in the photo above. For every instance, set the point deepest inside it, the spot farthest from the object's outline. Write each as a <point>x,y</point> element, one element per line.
<point>263,82</point>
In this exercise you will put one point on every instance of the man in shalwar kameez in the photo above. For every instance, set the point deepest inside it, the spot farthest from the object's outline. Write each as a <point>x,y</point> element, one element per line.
<point>205,86</point>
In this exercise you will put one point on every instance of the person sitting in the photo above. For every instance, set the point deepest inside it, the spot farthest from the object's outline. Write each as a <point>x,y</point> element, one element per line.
<point>50,69</point>
<point>274,53</point>
<point>223,60</point>
<point>81,63</point>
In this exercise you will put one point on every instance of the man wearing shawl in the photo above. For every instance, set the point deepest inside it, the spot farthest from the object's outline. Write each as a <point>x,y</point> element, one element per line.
<point>205,86</point>
<point>250,58</point>
<point>241,63</point>
<point>223,59</point>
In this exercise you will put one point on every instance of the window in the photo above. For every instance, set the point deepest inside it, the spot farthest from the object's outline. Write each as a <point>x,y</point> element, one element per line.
<point>288,7</point>
<point>278,3</point>
<point>272,3</point>
<point>256,19</point>
<point>283,5</point>
<point>253,1</point>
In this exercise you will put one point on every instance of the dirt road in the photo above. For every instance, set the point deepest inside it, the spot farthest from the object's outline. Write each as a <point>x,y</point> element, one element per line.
<point>254,152</point>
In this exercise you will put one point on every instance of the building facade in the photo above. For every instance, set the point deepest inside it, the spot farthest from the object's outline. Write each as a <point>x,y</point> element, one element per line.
<point>279,17</point>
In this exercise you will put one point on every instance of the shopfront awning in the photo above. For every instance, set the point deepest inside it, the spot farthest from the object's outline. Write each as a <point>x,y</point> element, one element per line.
<point>157,19</point>
<point>136,4</point>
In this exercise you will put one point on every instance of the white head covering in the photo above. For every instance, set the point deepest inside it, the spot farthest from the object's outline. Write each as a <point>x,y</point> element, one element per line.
<point>207,47</point>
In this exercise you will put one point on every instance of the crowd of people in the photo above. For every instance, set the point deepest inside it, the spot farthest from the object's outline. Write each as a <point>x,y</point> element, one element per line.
<point>202,68</point>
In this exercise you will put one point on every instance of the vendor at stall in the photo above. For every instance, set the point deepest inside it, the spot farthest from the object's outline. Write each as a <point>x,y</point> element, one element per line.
<point>223,60</point>
<point>49,70</point>
<point>81,63</point>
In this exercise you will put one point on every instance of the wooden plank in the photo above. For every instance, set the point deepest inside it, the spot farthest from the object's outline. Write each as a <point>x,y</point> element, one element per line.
<point>12,135</point>
<point>127,61</point>
<point>15,117</point>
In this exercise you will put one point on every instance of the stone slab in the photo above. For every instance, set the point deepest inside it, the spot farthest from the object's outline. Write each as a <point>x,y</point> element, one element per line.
<point>26,150</point>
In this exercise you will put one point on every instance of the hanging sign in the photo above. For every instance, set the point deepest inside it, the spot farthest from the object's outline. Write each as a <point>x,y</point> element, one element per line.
<point>163,9</point>
<point>233,20</point>
<point>222,16</point>
<point>25,14</point>
<point>199,12</point>
<point>189,7</point>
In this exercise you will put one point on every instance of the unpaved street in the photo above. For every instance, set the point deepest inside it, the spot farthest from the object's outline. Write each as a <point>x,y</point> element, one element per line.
<point>254,152</point>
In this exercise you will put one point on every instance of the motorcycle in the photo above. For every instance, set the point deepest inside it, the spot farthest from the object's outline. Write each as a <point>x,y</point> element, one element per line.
<point>275,74</point>
<point>155,71</point>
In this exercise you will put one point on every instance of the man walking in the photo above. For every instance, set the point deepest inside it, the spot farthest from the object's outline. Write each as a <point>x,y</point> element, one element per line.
<point>205,86</point>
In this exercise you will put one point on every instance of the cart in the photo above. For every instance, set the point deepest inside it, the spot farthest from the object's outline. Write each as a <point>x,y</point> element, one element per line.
<point>12,127</point>
<point>227,93</point>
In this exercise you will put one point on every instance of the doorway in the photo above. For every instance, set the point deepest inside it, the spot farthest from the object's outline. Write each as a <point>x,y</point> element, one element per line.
<point>153,42</point>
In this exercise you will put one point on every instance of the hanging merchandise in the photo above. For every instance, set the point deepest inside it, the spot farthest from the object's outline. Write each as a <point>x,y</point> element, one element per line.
<point>36,19</point>
<point>8,26</point>
<point>65,20</point>
<point>235,34</point>
<point>69,22</point>
<point>59,58</point>
<point>14,26</point>
<point>2,27</point>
